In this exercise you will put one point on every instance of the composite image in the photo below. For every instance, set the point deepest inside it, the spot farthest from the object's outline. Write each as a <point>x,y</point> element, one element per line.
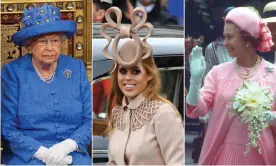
<point>138,82</point>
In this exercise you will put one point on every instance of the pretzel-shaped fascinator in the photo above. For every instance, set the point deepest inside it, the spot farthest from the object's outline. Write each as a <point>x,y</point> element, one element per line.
<point>143,48</point>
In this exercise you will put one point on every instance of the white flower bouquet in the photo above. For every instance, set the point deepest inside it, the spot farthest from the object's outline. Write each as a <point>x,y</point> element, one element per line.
<point>250,103</point>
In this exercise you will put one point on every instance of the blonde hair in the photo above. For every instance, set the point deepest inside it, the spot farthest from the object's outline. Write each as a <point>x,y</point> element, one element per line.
<point>151,91</point>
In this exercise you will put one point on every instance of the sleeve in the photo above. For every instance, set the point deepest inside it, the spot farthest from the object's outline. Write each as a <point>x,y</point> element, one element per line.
<point>207,95</point>
<point>82,135</point>
<point>170,135</point>
<point>210,59</point>
<point>21,145</point>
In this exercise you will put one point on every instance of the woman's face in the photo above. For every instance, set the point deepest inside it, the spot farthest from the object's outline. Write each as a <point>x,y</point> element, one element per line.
<point>188,43</point>
<point>132,81</point>
<point>47,48</point>
<point>233,40</point>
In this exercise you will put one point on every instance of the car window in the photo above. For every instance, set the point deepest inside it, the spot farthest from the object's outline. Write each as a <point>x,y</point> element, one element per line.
<point>171,89</point>
<point>101,92</point>
<point>171,83</point>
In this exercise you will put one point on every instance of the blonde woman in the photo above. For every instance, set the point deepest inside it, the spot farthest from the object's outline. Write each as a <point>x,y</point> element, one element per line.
<point>145,128</point>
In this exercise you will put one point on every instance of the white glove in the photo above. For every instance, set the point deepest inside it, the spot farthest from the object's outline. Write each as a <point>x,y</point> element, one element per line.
<point>60,150</point>
<point>197,70</point>
<point>270,118</point>
<point>43,154</point>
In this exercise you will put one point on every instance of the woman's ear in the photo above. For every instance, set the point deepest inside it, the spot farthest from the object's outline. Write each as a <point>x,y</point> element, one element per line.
<point>29,48</point>
<point>29,45</point>
<point>149,77</point>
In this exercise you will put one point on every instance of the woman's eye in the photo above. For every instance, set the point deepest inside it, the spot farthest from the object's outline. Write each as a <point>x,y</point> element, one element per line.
<point>136,71</point>
<point>42,41</point>
<point>56,41</point>
<point>123,71</point>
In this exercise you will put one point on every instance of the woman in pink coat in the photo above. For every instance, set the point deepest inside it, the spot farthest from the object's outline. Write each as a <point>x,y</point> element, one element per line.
<point>144,128</point>
<point>226,137</point>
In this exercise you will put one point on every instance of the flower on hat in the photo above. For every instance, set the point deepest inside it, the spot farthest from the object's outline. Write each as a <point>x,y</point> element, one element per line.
<point>44,14</point>
<point>265,36</point>
<point>28,17</point>
<point>50,13</point>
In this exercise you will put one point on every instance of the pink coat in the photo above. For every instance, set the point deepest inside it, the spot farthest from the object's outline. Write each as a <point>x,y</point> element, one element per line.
<point>219,88</point>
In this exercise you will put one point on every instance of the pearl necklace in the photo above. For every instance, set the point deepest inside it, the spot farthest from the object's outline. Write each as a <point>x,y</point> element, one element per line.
<point>48,79</point>
<point>251,72</point>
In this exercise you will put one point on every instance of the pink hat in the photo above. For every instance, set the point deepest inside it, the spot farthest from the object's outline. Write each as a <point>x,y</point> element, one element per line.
<point>248,20</point>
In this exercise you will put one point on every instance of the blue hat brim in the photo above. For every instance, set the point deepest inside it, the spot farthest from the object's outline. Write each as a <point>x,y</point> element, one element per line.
<point>66,26</point>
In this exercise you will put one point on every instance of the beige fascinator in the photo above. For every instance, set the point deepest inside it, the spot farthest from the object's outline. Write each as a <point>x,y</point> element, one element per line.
<point>133,51</point>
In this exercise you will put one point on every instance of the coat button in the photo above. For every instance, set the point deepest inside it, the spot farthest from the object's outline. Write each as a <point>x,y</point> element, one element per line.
<point>57,125</point>
<point>55,102</point>
<point>53,92</point>
<point>30,148</point>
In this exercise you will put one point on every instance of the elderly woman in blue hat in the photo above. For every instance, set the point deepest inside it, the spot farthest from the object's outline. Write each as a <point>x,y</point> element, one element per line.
<point>46,96</point>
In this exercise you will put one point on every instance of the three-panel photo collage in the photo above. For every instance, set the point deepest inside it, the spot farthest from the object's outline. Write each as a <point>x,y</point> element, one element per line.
<point>138,82</point>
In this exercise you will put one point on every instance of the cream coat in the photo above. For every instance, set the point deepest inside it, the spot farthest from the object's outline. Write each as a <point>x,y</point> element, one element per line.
<point>146,133</point>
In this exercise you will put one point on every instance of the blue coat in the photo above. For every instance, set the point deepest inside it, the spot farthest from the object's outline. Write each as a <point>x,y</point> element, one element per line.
<point>37,114</point>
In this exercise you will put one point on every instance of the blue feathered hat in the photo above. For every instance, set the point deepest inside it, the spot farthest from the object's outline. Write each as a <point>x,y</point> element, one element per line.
<point>42,20</point>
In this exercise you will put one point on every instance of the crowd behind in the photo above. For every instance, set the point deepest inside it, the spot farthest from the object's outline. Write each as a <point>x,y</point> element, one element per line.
<point>157,10</point>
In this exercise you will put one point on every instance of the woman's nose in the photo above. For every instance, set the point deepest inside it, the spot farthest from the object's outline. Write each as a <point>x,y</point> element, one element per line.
<point>49,46</point>
<point>128,75</point>
<point>225,43</point>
